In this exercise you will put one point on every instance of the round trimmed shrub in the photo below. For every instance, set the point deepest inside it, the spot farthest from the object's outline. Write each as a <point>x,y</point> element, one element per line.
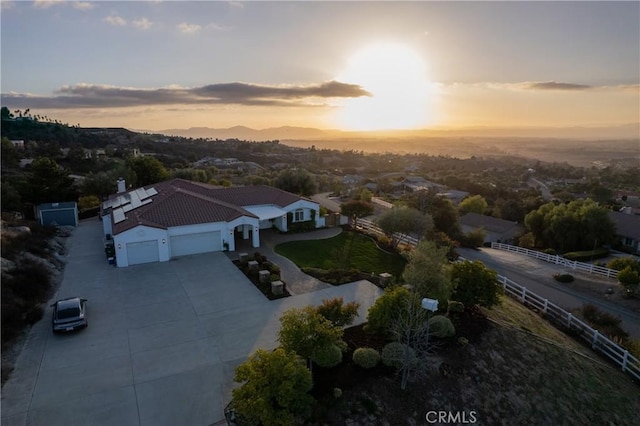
<point>393,354</point>
<point>441,326</point>
<point>327,357</point>
<point>366,357</point>
<point>455,306</point>
<point>563,278</point>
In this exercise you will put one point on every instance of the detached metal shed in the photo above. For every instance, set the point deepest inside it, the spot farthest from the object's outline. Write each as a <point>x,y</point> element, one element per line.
<point>61,214</point>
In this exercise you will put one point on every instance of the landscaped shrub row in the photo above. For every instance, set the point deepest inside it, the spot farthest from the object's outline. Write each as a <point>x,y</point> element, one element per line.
<point>587,255</point>
<point>334,276</point>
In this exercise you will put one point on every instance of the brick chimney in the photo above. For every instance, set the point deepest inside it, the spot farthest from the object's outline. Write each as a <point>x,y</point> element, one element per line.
<point>122,186</point>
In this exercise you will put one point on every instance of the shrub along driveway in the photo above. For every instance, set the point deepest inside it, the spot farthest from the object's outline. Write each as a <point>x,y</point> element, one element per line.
<point>162,343</point>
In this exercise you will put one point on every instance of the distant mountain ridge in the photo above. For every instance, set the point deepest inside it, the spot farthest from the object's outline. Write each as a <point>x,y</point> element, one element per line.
<point>626,131</point>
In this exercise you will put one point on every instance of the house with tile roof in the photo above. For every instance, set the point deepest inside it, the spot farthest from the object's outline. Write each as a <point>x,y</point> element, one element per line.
<point>180,217</point>
<point>496,230</point>
<point>627,230</point>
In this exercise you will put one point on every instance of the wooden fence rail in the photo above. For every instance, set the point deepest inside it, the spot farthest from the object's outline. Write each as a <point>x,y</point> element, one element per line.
<point>616,353</point>
<point>558,260</point>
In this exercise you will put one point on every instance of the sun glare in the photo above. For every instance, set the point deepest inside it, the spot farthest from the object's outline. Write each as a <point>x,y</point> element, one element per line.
<point>400,91</point>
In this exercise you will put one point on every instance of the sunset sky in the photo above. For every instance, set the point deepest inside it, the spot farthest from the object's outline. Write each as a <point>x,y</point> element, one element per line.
<point>338,65</point>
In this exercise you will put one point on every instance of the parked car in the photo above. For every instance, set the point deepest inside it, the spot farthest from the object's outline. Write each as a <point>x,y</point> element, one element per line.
<point>69,314</point>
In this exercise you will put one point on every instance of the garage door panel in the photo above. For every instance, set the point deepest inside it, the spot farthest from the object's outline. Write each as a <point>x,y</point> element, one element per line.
<point>204,242</point>
<point>143,252</point>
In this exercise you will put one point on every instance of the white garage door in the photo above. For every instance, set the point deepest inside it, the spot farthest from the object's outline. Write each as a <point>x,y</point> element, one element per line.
<point>205,242</point>
<point>143,252</point>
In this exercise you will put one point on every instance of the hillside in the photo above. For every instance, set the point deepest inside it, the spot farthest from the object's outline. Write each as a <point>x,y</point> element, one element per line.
<point>520,370</point>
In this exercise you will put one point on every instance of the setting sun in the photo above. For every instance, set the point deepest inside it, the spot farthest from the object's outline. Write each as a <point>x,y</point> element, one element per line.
<point>400,91</point>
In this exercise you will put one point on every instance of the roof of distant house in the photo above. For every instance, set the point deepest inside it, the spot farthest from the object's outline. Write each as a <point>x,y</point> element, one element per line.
<point>489,223</point>
<point>627,225</point>
<point>180,202</point>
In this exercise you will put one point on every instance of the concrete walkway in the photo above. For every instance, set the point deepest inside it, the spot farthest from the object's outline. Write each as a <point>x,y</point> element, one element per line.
<point>297,281</point>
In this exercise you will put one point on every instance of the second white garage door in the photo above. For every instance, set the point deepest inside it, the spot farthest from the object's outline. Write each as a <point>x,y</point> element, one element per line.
<point>182,245</point>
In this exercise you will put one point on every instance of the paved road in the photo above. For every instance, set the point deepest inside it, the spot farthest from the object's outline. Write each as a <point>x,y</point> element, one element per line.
<point>537,276</point>
<point>327,202</point>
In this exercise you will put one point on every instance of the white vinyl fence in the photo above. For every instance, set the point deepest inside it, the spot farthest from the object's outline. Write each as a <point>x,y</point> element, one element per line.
<point>371,227</point>
<point>558,260</point>
<point>381,202</point>
<point>629,363</point>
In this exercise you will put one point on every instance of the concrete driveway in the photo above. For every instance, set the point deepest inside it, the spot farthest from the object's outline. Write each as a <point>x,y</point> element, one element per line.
<point>162,343</point>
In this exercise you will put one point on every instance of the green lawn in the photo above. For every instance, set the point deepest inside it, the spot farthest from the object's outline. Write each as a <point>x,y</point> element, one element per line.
<point>349,250</point>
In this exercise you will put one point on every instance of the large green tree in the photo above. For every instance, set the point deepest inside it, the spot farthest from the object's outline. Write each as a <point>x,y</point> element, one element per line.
<point>48,183</point>
<point>400,221</point>
<point>381,315</point>
<point>441,210</point>
<point>274,388</point>
<point>473,204</point>
<point>578,225</point>
<point>308,333</point>
<point>428,271</point>
<point>148,170</point>
<point>475,284</point>
<point>297,181</point>
<point>9,156</point>
<point>356,209</point>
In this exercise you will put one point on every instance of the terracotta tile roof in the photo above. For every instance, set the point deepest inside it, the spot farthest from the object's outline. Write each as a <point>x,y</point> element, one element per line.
<point>180,202</point>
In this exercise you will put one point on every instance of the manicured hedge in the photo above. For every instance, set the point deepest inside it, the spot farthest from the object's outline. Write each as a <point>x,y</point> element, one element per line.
<point>587,255</point>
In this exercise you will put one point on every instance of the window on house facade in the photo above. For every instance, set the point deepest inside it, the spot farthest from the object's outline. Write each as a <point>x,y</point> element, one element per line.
<point>298,216</point>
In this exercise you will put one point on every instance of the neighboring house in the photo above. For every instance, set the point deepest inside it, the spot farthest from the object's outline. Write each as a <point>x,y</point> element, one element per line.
<point>496,230</point>
<point>18,144</point>
<point>454,195</point>
<point>351,180</point>
<point>180,217</point>
<point>627,230</point>
<point>58,214</point>
<point>418,183</point>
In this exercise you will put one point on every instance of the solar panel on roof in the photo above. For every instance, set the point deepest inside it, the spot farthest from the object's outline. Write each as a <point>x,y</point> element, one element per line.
<point>118,216</point>
<point>147,201</point>
<point>151,192</point>
<point>135,201</point>
<point>127,208</point>
<point>141,193</point>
